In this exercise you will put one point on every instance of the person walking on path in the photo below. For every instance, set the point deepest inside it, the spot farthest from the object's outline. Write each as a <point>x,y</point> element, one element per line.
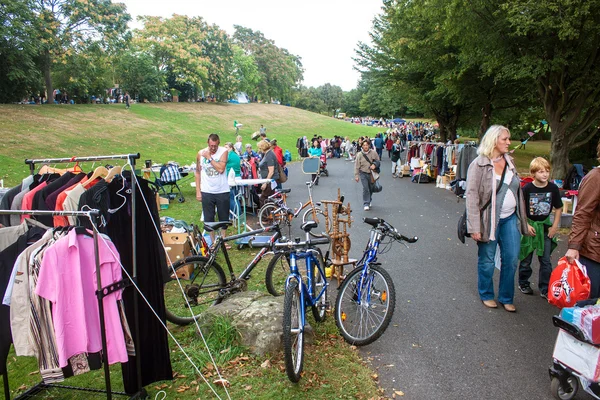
<point>212,188</point>
<point>541,197</point>
<point>315,151</point>
<point>365,163</point>
<point>388,145</point>
<point>496,215</point>
<point>395,156</point>
<point>378,143</point>
<point>584,240</point>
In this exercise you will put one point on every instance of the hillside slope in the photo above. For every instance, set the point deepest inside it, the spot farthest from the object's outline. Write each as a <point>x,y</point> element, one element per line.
<point>161,132</point>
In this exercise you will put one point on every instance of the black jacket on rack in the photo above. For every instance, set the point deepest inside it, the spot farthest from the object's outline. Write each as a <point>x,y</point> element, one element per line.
<point>7,260</point>
<point>152,346</point>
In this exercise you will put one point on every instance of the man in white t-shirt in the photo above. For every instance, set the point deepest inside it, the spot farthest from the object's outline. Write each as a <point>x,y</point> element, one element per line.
<point>212,188</point>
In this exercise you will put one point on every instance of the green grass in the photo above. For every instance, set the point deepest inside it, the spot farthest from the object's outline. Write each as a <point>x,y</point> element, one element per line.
<point>173,131</point>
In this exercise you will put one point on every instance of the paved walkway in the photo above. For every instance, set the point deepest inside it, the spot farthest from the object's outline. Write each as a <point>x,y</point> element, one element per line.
<point>442,342</point>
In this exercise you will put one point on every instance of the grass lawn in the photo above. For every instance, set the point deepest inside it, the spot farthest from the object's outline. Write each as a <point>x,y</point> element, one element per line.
<point>176,131</point>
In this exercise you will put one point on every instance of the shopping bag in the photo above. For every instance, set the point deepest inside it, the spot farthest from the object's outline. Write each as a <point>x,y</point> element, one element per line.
<point>569,284</point>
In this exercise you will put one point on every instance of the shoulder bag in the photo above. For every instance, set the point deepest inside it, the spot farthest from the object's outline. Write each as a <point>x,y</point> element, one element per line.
<point>462,221</point>
<point>282,176</point>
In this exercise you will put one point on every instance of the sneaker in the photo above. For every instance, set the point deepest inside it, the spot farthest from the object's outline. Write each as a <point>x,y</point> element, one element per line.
<point>366,208</point>
<point>544,296</point>
<point>525,289</point>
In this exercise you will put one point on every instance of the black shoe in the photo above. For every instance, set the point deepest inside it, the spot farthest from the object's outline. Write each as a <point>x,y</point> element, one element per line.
<point>526,289</point>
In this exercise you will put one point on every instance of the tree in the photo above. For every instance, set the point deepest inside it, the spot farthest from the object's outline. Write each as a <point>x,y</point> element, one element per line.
<point>245,71</point>
<point>279,71</point>
<point>137,74</point>
<point>332,96</point>
<point>64,25</point>
<point>19,72</point>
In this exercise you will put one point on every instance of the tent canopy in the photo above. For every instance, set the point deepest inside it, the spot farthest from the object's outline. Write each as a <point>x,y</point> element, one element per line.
<point>398,120</point>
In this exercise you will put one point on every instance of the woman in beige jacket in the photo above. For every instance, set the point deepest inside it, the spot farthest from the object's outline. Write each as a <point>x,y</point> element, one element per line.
<point>496,215</point>
<point>362,171</point>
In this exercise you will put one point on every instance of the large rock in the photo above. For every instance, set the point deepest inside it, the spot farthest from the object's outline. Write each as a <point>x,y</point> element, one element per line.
<point>258,319</point>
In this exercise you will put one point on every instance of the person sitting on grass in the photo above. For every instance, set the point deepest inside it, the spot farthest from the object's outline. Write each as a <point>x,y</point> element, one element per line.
<point>541,197</point>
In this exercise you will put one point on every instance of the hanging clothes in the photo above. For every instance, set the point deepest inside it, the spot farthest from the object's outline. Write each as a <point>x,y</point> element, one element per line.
<point>7,260</point>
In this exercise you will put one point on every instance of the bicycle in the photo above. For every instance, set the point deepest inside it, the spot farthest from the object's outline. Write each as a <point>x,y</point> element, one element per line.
<point>203,279</point>
<point>366,299</point>
<point>299,295</point>
<point>275,209</point>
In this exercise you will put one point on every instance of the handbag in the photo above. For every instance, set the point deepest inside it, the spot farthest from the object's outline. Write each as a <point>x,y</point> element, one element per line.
<point>376,187</point>
<point>461,228</point>
<point>569,283</point>
<point>282,176</point>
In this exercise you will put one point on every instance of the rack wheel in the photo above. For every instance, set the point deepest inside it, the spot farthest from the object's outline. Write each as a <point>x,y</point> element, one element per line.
<point>564,393</point>
<point>181,199</point>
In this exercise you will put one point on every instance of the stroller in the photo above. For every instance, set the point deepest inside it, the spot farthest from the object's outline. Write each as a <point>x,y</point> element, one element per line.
<point>323,165</point>
<point>576,357</point>
<point>167,184</point>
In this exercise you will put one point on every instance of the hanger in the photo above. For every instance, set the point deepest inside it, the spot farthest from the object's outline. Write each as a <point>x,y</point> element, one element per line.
<point>98,173</point>
<point>50,170</point>
<point>114,171</point>
<point>76,168</point>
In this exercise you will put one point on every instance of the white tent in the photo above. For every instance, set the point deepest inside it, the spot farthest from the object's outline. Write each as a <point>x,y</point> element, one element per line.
<point>241,98</point>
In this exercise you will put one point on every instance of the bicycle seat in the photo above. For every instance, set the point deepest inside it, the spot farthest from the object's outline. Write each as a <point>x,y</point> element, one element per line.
<point>308,225</point>
<point>213,226</point>
<point>373,221</point>
<point>284,191</point>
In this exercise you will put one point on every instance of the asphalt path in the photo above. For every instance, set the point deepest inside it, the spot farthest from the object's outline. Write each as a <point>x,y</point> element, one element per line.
<point>442,342</point>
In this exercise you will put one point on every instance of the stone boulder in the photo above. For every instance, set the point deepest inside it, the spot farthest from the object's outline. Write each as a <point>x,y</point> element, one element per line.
<point>257,317</point>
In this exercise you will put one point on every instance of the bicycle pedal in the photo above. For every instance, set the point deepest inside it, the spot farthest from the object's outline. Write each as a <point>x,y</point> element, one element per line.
<point>248,277</point>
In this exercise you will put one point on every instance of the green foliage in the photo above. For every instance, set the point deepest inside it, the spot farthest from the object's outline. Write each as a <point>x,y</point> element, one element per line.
<point>138,75</point>
<point>279,71</point>
<point>332,96</point>
<point>19,72</point>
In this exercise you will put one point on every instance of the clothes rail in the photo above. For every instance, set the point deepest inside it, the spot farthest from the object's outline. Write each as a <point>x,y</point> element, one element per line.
<point>131,157</point>
<point>33,162</point>
<point>101,292</point>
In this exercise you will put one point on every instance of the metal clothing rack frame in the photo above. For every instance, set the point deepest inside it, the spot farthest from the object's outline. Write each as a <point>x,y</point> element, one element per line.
<point>101,292</point>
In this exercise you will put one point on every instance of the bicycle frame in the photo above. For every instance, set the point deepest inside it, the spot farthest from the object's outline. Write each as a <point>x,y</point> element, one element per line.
<point>220,245</point>
<point>309,256</point>
<point>369,256</point>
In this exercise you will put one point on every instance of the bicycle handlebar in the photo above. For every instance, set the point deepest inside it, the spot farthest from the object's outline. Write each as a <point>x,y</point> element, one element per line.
<point>388,229</point>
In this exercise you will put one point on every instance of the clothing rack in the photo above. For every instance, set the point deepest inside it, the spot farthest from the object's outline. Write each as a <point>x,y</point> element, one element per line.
<point>101,292</point>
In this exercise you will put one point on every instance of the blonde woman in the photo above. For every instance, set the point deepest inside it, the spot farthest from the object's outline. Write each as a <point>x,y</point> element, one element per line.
<point>496,215</point>
<point>238,145</point>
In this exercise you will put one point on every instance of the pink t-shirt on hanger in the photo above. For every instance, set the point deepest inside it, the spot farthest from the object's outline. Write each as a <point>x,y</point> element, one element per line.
<point>68,279</point>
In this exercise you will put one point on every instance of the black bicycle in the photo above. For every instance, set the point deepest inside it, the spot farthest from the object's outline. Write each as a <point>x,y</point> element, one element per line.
<point>196,282</point>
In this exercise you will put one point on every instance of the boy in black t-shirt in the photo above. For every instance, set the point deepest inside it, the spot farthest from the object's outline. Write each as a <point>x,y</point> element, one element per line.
<point>541,197</point>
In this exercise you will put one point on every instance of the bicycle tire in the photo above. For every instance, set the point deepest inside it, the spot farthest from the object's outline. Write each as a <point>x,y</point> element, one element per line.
<point>270,214</point>
<point>319,310</point>
<point>277,272</point>
<point>361,324</point>
<point>320,220</point>
<point>293,333</point>
<point>201,283</point>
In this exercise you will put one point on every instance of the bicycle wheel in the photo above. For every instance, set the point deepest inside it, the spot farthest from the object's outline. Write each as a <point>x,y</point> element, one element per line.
<point>271,214</point>
<point>293,332</point>
<point>319,219</point>
<point>364,307</point>
<point>319,310</point>
<point>201,284</point>
<point>277,272</point>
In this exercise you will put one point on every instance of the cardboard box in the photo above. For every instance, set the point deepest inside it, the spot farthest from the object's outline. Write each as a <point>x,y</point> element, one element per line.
<point>177,246</point>
<point>163,203</point>
<point>567,205</point>
<point>581,357</point>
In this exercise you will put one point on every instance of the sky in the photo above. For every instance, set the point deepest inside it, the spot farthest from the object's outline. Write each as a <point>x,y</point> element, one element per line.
<point>324,33</point>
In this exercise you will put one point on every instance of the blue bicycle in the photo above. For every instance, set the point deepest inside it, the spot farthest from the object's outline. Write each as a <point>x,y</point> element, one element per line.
<point>302,293</point>
<point>366,299</point>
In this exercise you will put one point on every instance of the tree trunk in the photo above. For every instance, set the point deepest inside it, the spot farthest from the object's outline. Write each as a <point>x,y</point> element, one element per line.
<point>48,78</point>
<point>559,151</point>
<point>443,133</point>
<point>485,119</point>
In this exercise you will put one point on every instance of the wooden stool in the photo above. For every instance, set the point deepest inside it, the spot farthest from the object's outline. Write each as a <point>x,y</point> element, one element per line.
<point>337,268</point>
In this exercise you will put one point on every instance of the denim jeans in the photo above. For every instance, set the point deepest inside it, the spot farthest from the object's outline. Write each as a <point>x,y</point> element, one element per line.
<point>525,270</point>
<point>365,180</point>
<point>508,238</point>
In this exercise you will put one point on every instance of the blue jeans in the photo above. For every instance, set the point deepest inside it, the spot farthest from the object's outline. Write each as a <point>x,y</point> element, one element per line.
<point>508,238</point>
<point>525,270</point>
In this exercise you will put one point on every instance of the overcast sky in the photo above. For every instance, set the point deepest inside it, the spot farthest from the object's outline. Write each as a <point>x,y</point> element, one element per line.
<point>324,33</point>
